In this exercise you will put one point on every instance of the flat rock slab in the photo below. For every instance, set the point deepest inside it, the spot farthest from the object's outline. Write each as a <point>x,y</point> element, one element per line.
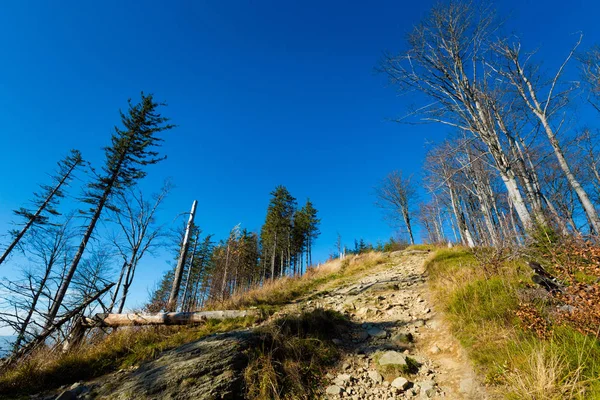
<point>210,368</point>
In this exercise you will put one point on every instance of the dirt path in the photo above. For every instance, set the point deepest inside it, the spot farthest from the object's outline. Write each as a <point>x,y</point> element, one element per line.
<point>393,324</point>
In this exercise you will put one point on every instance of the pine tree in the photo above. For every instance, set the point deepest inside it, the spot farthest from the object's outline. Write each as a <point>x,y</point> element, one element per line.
<point>47,200</point>
<point>276,233</point>
<point>131,150</point>
<point>312,228</point>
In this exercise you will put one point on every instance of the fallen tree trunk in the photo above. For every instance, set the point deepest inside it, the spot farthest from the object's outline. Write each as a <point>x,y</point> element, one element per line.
<point>170,318</point>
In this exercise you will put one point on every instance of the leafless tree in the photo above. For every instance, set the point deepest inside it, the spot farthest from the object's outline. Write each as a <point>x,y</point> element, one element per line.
<point>138,235</point>
<point>545,100</point>
<point>447,61</point>
<point>26,301</point>
<point>398,196</point>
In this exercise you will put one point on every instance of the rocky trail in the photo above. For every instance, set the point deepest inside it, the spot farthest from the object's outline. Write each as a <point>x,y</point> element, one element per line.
<point>395,347</point>
<point>395,329</point>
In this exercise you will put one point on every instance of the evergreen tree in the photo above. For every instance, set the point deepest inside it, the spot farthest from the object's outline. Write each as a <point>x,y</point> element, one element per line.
<point>131,150</point>
<point>276,233</point>
<point>47,200</point>
<point>312,228</point>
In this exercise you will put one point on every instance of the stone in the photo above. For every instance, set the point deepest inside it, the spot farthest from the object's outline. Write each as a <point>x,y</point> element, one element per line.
<point>375,376</point>
<point>392,358</point>
<point>334,389</point>
<point>336,341</point>
<point>215,364</point>
<point>434,349</point>
<point>377,332</point>
<point>427,388</point>
<point>403,338</point>
<point>401,383</point>
<point>78,388</point>
<point>344,378</point>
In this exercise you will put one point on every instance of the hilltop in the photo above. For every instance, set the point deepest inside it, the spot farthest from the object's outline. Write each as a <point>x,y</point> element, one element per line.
<point>420,322</point>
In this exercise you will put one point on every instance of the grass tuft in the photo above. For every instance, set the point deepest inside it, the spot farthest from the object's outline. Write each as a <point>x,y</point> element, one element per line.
<point>293,356</point>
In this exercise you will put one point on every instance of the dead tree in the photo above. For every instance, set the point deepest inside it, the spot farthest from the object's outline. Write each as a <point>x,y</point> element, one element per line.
<point>446,61</point>
<point>49,330</point>
<point>135,218</point>
<point>172,303</point>
<point>398,195</point>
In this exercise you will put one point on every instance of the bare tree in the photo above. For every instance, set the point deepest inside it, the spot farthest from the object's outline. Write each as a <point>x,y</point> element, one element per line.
<point>398,195</point>
<point>172,303</point>
<point>530,90</point>
<point>447,62</point>
<point>590,63</point>
<point>136,218</point>
<point>26,301</point>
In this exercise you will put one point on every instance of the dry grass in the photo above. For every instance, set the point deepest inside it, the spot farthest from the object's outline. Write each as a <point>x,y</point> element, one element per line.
<point>287,289</point>
<point>272,370</point>
<point>545,375</point>
<point>293,356</point>
<point>127,347</point>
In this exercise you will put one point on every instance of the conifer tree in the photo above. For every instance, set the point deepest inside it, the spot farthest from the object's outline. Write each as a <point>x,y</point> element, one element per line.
<point>130,151</point>
<point>312,228</point>
<point>47,200</point>
<point>277,231</point>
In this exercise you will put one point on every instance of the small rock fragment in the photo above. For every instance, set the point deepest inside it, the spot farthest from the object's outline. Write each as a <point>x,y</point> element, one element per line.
<point>334,389</point>
<point>375,376</point>
<point>401,383</point>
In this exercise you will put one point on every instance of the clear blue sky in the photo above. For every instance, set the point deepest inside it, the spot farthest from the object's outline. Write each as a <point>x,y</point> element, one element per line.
<point>264,93</point>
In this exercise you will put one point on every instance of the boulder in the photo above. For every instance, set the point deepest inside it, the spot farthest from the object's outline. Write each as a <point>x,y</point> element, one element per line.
<point>392,358</point>
<point>210,368</point>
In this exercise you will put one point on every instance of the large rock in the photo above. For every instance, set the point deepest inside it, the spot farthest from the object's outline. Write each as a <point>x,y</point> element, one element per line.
<point>210,368</point>
<point>392,358</point>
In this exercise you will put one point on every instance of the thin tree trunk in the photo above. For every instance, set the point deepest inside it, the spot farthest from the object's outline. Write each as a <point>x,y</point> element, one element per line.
<point>189,275</point>
<point>172,303</point>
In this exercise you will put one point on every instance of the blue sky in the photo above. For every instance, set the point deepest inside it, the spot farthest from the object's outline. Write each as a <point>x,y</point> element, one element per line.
<point>263,93</point>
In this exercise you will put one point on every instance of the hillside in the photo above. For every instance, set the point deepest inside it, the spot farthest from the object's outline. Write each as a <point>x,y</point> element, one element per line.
<point>373,326</point>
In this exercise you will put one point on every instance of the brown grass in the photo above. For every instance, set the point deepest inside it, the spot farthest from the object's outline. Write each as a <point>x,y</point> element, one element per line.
<point>287,289</point>
<point>47,369</point>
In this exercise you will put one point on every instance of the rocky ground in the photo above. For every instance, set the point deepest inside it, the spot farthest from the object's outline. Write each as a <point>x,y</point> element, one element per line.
<point>397,347</point>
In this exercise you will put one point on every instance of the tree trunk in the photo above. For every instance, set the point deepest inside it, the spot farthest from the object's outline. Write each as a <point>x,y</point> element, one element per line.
<point>172,303</point>
<point>171,318</point>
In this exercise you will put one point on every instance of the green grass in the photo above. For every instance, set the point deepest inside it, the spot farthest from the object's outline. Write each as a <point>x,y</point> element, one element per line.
<point>482,309</point>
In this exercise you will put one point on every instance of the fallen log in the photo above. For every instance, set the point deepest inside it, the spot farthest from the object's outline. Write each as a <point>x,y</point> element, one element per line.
<point>169,318</point>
